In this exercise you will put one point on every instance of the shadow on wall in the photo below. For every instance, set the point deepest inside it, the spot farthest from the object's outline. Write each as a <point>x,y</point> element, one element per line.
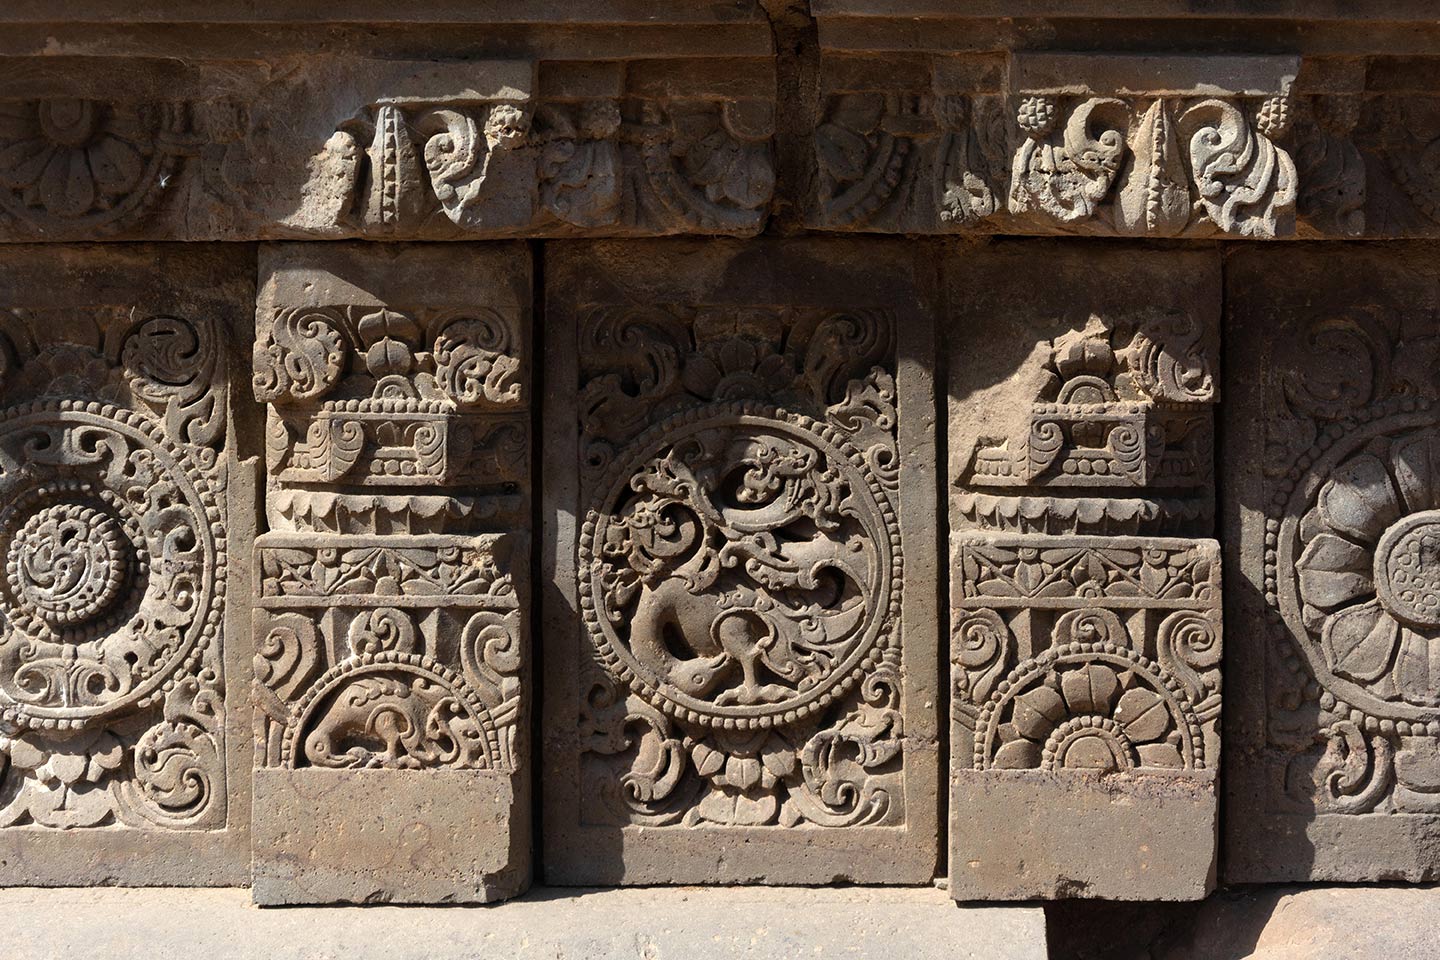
<point>1252,923</point>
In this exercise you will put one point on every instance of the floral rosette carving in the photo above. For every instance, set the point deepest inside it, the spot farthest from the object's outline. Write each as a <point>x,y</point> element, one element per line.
<point>1363,541</point>
<point>1089,706</point>
<point>83,164</point>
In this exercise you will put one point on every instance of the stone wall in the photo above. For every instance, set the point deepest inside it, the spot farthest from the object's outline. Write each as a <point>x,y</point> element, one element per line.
<point>449,445</point>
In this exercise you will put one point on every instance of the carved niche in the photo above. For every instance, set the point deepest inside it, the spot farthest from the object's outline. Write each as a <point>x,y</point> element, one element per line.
<point>462,149</point>
<point>1085,641</point>
<point>1334,526</point>
<point>390,634</point>
<point>116,717</point>
<point>741,667</point>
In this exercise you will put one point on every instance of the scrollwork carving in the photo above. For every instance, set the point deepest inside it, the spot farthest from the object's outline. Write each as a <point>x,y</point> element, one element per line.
<point>1120,664</point>
<point>740,566</point>
<point>301,357</point>
<point>1154,166</point>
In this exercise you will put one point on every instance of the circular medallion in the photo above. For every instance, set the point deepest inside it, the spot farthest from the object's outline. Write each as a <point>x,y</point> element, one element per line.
<point>115,563</point>
<point>741,566</point>
<point>67,563</point>
<point>1356,566</point>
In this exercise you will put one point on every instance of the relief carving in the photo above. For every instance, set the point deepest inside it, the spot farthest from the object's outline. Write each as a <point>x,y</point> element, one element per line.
<point>1348,565</point>
<point>1086,660</point>
<point>1161,168</point>
<point>1119,437</point>
<point>740,567</point>
<point>891,160</point>
<point>115,557</point>
<point>390,629</point>
<point>1338,471</point>
<point>83,168</point>
<point>1088,653</point>
<point>444,158</point>
<point>734,671</point>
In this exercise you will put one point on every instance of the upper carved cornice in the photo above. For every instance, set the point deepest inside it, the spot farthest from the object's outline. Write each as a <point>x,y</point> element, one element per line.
<point>448,120</point>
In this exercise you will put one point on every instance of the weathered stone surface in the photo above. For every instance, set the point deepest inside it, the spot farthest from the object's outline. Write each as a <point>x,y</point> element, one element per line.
<point>1077,405</point>
<point>931,119</point>
<point>1072,833</point>
<point>124,502</point>
<point>555,924</point>
<point>1085,661</point>
<point>392,610</point>
<point>1331,462</point>
<point>744,492</point>
<point>389,148</point>
<point>344,836</point>
<point>740,639</point>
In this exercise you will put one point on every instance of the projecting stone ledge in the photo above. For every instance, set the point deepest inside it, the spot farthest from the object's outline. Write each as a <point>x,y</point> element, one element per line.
<point>656,923</point>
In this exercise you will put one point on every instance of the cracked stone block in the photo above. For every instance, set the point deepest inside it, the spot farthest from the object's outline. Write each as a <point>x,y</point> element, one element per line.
<point>391,615</point>
<point>124,504</point>
<point>741,565</point>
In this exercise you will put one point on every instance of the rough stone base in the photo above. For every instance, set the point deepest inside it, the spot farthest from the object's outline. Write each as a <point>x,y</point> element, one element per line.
<point>555,924</point>
<point>1129,837</point>
<point>360,836</point>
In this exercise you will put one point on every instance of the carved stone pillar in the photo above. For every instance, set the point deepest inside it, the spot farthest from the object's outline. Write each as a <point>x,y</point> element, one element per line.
<point>390,630</point>
<point>1085,636</point>
<point>1332,522</point>
<point>123,509</point>
<point>740,643</point>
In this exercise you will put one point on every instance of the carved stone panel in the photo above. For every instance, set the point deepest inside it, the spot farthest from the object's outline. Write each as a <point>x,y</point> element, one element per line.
<point>391,622</point>
<point>123,503</point>
<point>1334,447</point>
<point>1085,636</point>
<point>740,618</point>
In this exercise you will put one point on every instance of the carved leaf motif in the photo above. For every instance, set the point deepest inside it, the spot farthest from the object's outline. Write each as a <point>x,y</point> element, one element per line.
<point>172,361</point>
<point>301,358</point>
<point>580,165</point>
<point>473,363</point>
<point>1067,182</point>
<point>1167,358</point>
<point>1037,711</point>
<point>396,195</point>
<point>1153,198</point>
<point>1143,714</point>
<point>1246,183</point>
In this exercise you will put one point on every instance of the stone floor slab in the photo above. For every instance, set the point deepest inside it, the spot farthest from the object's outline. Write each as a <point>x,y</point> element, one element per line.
<point>681,923</point>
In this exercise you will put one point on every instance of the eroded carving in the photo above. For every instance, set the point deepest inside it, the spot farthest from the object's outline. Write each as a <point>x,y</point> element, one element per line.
<point>1122,417</point>
<point>893,161</point>
<point>83,167</point>
<point>454,163</point>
